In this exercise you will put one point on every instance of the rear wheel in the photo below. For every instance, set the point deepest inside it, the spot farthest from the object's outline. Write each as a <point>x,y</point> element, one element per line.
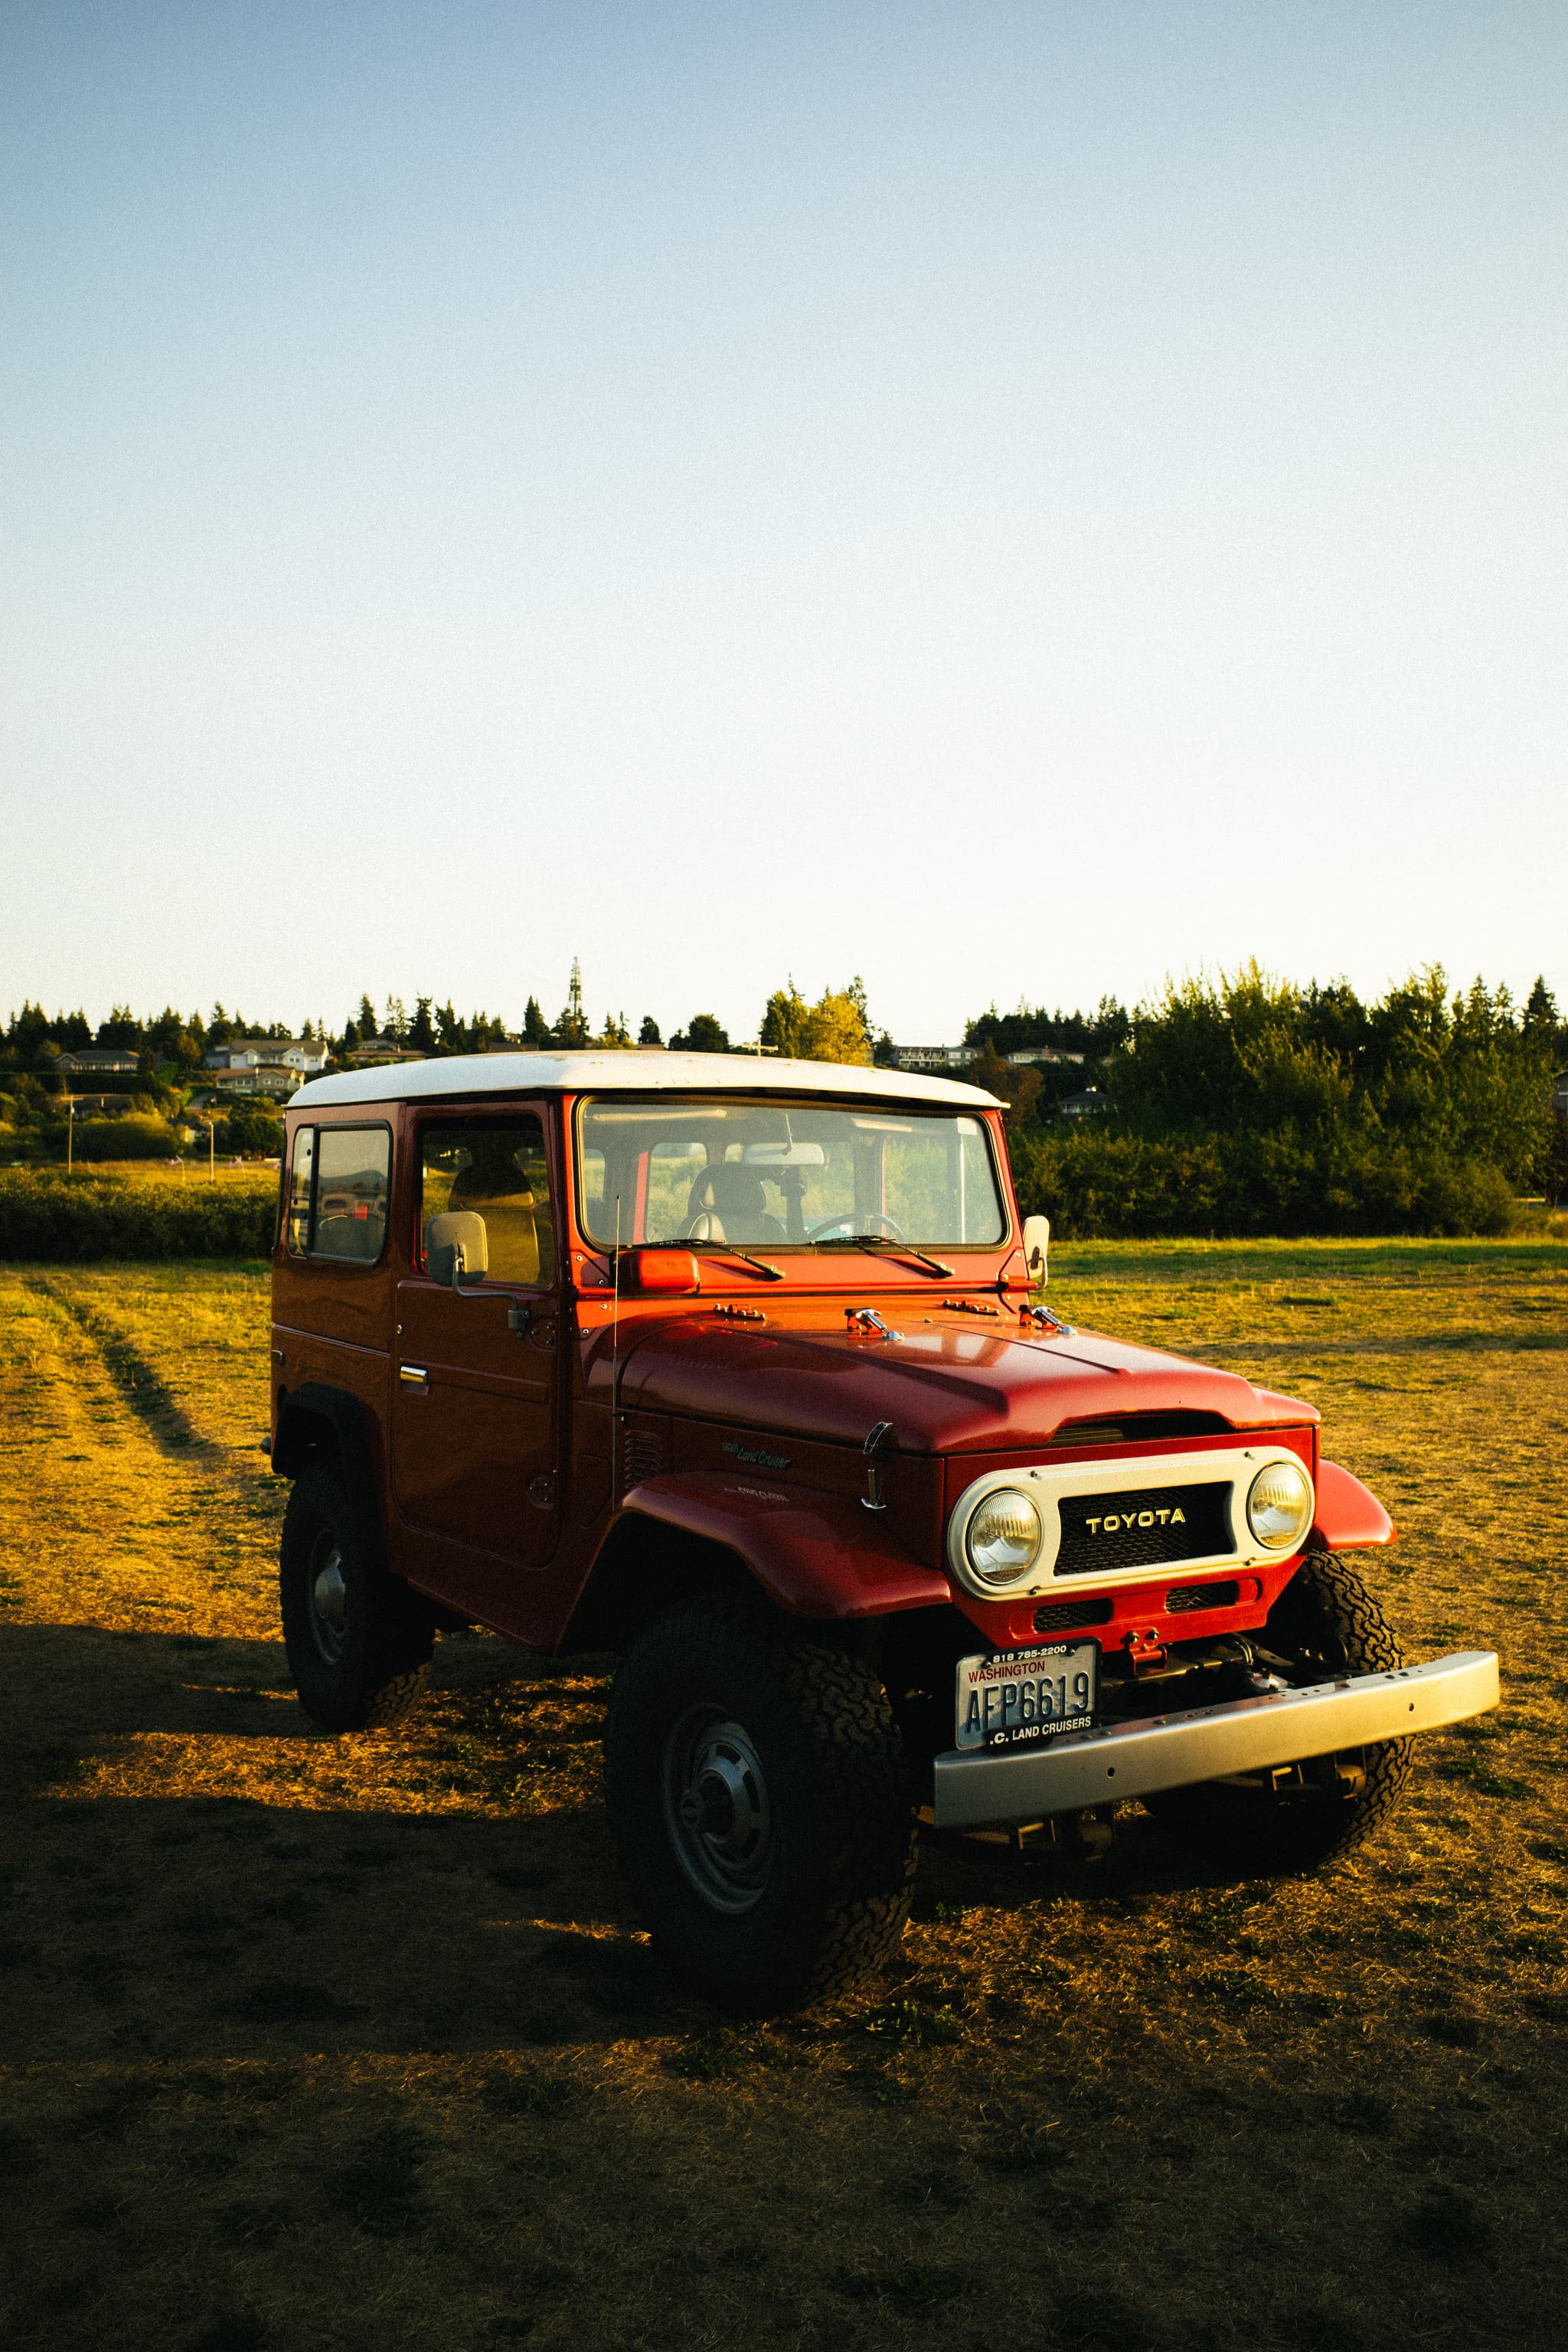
<point>758,1800</point>
<point>359,1640</point>
<point>1324,1624</point>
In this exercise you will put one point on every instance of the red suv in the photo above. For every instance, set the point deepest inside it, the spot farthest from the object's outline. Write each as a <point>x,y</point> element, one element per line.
<point>740,1369</point>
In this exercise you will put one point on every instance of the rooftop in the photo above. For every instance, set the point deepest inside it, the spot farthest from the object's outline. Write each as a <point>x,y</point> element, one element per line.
<point>604,1073</point>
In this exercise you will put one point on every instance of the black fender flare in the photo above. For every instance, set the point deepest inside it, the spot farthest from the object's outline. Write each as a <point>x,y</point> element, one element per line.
<point>304,1416</point>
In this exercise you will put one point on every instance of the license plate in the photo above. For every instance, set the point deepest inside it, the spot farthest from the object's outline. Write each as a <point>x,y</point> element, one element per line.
<point>1009,1699</point>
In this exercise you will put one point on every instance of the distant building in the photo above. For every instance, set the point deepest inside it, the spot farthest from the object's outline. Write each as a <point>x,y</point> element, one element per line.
<point>371,1053</point>
<point>98,1062</point>
<point>1089,1103</point>
<point>274,1082</point>
<point>1043,1054</point>
<point>305,1055</point>
<point>933,1057</point>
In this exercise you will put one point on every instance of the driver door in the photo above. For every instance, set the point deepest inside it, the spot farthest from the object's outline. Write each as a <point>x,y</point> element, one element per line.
<point>475,1415</point>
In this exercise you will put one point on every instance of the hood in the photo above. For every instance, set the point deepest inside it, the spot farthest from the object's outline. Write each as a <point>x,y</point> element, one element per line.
<point>944,1391</point>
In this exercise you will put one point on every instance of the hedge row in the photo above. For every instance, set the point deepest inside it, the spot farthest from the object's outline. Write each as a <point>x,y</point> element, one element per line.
<point>57,1218</point>
<point>1108,1187</point>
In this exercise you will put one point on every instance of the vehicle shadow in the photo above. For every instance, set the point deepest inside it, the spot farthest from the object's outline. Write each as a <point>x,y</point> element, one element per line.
<point>228,1927</point>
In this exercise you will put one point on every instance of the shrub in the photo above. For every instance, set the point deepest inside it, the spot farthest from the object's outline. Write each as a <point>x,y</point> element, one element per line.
<point>140,1135</point>
<point>1107,1186</point>
<point>54,1218</point>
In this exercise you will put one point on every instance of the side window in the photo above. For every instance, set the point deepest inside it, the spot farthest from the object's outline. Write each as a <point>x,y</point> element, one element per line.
<point>352,1166</point>
<point>496,1168</point>
<point>297,1210</point>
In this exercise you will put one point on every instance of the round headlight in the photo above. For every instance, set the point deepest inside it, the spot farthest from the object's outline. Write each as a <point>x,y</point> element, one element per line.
<point>1279,1506</point>
<point>1002,1539</point>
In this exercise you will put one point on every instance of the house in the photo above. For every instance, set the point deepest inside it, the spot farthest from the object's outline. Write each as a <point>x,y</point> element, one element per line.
<point>1089,1103</point>
<point>374,1051</point>
<point>273,1080</point>
<point>933,1057</point>
<point>98,1062</point>
<point>1043,1054</point>
<point>305,1055</point>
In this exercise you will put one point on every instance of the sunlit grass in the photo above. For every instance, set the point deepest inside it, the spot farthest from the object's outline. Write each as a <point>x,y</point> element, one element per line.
<point>345,2043</point>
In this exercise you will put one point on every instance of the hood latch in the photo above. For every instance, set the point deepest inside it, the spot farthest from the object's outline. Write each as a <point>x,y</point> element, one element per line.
<point>873,1499</point>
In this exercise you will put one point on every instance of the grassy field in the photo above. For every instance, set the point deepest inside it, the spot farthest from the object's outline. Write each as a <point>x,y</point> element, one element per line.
<point>315,2042</point>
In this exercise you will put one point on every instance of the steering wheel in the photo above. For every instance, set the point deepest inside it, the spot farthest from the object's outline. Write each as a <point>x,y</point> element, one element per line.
<point>831,1226</point>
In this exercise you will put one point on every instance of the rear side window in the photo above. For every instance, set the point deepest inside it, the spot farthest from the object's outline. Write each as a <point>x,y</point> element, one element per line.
<point>297,1209</point>
<point>338,1186</point>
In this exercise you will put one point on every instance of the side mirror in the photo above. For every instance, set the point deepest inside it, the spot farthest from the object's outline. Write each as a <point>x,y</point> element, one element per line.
<point>1036,1250</point>
<point>672,1271</point>
<point>456,1252</point>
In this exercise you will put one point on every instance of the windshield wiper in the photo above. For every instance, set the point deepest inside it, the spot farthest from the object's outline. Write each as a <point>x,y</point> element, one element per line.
<point>772,1273</point>
<point>875,1242</point>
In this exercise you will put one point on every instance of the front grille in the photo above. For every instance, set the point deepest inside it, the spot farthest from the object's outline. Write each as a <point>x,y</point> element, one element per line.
<point>1102,1533</point>
<point>1188,1597</point>
<point>1066,1616</point>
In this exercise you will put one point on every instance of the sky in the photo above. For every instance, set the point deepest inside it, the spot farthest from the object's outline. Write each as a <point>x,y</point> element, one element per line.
<point>1011,501</point>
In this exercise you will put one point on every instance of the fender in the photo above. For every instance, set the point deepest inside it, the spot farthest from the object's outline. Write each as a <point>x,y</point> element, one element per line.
<point>1349,1517</point>
<point>813,1555</point>
<point>300,1419</point>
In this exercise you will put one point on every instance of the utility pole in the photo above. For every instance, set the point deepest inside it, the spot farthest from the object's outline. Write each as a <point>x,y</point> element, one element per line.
<point>70,1132</point>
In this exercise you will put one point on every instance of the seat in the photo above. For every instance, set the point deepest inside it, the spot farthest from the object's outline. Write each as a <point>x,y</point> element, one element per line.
<point>501,1194</point>
<point>729,1202</point>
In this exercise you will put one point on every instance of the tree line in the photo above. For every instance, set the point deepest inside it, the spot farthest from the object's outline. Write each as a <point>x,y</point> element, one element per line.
<point>1236,1104</point>
<point>1245,1104</point>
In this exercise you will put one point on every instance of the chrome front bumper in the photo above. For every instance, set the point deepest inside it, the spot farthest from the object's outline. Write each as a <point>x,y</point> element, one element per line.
<point>992,1787</point>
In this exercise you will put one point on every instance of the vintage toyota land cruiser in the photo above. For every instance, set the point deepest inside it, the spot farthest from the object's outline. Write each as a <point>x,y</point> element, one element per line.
<point>740,1369</point>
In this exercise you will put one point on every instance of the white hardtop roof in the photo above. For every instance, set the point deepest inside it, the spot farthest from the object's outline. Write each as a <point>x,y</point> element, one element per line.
<point>634,1073</point>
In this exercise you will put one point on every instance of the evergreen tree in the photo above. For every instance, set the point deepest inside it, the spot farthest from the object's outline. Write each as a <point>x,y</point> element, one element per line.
<point>648,1034</point>
<point>421,1030</point>
<point>535,1028</point>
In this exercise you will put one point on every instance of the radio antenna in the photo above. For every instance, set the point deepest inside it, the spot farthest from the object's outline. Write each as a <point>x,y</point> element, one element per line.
<point>615,1359</point>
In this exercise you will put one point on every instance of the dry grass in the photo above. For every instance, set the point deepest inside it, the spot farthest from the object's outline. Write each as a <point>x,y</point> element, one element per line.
<point>321,2043</point>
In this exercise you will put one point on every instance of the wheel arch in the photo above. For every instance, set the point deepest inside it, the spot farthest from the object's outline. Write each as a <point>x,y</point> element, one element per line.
<point>1349,1517</point>
<point>645,1567</point>
<point>819,1561</point>
<point>317,1422</point>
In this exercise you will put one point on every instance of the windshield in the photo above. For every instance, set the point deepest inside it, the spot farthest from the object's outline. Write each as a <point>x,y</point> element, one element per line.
<point>778,1174</point>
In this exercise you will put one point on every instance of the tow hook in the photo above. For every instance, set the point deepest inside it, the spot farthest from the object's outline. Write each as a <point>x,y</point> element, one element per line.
<point>1145,1651</point>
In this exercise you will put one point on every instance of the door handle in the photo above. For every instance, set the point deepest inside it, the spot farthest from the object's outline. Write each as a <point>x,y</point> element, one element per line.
<point>414,1376</point>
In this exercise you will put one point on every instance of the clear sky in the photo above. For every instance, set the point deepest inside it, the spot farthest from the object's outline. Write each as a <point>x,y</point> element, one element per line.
<point>1006,499</point>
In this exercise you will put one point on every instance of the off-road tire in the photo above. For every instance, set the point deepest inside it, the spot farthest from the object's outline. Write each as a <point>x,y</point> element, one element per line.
<point>371,1670</point>
<point>1324,1624</point>
<point>832,1891</point>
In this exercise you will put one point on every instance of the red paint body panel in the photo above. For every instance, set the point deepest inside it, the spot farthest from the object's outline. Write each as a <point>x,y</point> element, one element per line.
<point>946,1388</point>
<point>815,1555</point>
<point>1350,1517</point>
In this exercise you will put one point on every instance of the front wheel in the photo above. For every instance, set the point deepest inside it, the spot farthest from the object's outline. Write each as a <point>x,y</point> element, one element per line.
<point>1324,1624</point>
<point>758,1800</point>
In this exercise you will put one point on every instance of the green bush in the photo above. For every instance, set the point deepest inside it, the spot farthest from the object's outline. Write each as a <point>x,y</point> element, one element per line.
<point>1106,1186</point>
<point>54,1218</point>
<point>139,1135</point>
